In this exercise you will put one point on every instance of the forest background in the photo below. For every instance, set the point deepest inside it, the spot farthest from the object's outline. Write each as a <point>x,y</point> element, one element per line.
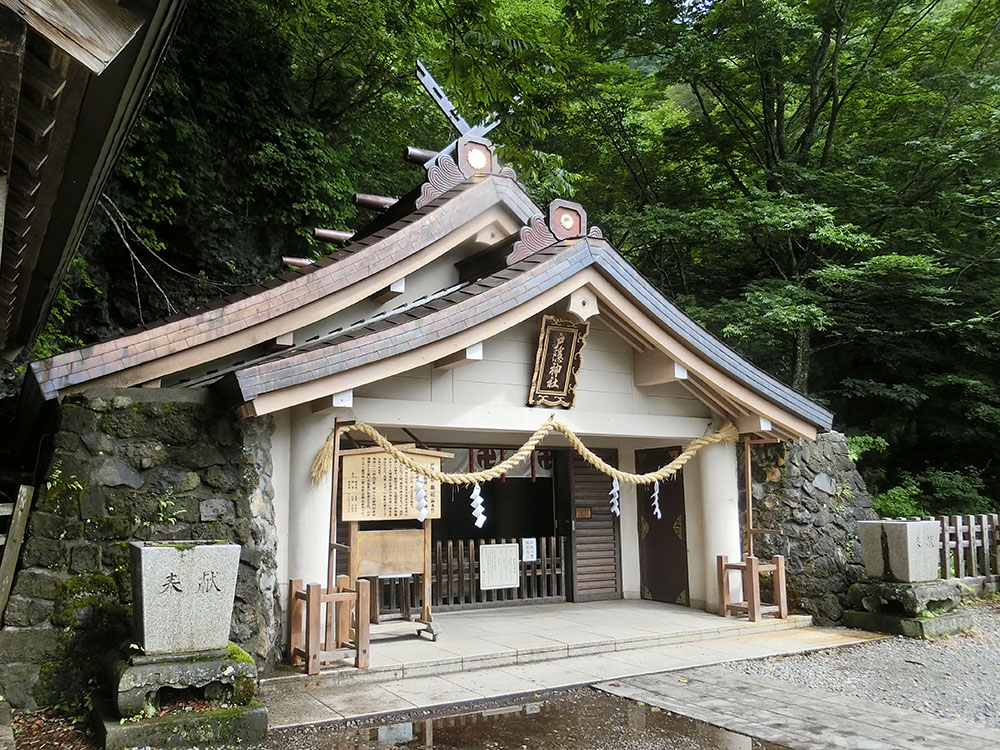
<point>815,181</point>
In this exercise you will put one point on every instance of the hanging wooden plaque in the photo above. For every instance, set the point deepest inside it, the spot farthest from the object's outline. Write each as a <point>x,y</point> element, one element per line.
<point>557,362</point>
<point>376,487</point>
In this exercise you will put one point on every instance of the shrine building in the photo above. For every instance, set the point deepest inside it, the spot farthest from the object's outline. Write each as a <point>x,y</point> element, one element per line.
<point>460,320</point>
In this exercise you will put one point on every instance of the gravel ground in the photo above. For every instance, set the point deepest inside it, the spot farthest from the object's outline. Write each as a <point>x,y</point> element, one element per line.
<point>955,677</point>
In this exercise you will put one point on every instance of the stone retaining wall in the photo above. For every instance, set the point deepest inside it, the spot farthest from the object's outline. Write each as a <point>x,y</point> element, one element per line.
<point>814,495</point>
<point>134,464</point>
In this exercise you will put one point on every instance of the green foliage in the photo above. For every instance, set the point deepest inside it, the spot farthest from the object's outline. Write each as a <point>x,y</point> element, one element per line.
<point>898,502</point>
<point>813,181</point>
<point>859,445</point>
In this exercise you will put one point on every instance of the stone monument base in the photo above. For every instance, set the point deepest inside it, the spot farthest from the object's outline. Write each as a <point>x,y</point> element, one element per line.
<point>237,725</point>
<point>912,627</point>
<point>227,675</point>
<point>916,610</point>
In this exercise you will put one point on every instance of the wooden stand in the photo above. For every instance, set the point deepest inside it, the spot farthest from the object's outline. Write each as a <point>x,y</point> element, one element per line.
<point>750,569</point>
<point>345,604</point>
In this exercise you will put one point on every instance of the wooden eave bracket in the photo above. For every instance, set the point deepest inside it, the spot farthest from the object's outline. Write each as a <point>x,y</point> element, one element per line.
<point>390,292</point>
<point>753,423</point>
<point>472,353</point>
<point>92,32</point>
<point>336,403</point>
<point>654,368</point>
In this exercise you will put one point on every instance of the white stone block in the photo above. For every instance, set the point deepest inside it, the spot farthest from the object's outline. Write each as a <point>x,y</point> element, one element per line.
<point>903,551</point>
<point>182,594</point>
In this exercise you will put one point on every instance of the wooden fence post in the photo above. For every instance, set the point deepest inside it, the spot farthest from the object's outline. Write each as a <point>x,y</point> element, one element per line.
<point>313,607</point>
<point>294,621</point>
<point>362,625</point>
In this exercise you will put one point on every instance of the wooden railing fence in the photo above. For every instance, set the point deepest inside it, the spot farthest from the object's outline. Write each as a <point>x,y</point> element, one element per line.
<point>970,546</point>
<point>455,579</point>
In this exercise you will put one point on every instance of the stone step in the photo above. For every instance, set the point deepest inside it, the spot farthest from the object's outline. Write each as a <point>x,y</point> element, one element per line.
<point>346,675</point>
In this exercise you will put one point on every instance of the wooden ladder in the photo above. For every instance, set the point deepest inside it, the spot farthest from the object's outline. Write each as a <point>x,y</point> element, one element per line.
<point>13,520</point>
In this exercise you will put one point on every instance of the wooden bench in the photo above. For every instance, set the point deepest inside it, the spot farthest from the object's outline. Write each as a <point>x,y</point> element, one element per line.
<point>348,606</point>
<point>750,569</point>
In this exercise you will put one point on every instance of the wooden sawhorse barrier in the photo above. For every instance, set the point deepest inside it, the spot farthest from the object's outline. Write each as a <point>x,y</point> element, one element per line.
<point>345,605</point>
<point>750,569</point>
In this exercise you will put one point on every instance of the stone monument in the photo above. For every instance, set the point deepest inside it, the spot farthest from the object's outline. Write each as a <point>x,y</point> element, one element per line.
<point>183,596</point>
<point>903,594</point>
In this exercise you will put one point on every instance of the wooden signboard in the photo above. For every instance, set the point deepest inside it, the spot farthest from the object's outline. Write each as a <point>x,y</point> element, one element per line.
<point>376,487</point>
<point>557,362</point>
<point>390,552</point>
<point>499,566</point>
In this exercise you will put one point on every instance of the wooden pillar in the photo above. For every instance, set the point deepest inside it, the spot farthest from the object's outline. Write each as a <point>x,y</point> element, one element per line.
<point>362,625</point>
<point>313,608</point>
<point>294,621</point>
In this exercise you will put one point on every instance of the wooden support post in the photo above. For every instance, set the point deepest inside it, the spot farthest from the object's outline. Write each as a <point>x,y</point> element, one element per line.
<point>294,621</point>
<point>313,593</point>
<point>425,608</point>
<point>723,560</point>
<point>945,547</point>
<point>751,588</point>
<point>353,559</point>
<point>343,613</point>
<point>780,589</point>
<point>331,553</point>
<point>749,493</point>
<point>361,625</point>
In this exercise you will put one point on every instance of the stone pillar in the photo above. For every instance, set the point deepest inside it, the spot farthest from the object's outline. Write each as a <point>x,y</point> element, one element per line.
<point>629,525</point>
<point>717,466</point>
<point>309,504</point>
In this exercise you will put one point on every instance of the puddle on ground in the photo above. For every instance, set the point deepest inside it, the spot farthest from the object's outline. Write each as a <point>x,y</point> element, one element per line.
<point>579,719</point>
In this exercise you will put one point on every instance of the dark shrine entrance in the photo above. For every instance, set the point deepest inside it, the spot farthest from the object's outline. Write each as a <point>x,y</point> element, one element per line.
<point>662,541</point>
<point>556,508</point>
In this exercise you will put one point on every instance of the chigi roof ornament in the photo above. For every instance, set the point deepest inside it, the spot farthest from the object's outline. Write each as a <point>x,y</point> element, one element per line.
<point>470,155</point>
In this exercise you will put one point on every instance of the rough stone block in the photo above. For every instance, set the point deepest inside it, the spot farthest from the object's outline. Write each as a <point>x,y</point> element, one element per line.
<point>909,599</point>
<point>112,472</point>
<point>41,583</point>
<point>23,611</point>
<point>912,627</point>
<point>98,443</point>
<point>231,727</point>
<point>84,556</point>
<point>45,553</point>
<point>17,681</point>
<point>905,551</point>
<point>218,509</point>
<point>228,675</point>
<point>183,595</point>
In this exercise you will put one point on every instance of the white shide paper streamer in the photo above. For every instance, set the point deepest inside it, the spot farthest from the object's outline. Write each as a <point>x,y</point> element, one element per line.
<point>477,506</point>
<point>656,501</point>
<point>615,492</point>
<point>420,495</point>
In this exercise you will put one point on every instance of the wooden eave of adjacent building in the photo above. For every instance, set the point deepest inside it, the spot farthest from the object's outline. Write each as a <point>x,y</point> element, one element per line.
<point>374,260</point>
<point>478,310</point>
<point>71,90</point>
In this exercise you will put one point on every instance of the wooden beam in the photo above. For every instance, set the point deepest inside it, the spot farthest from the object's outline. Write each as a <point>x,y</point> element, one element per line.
<point>12,40</point>
<point>42,79</point>
<point>472,353</point>
<point>12,548</point>
<point>327,404</point>
<point>655,368</point>
<point>753,423</point>
<point>34,119</point>
<point>92,32</point>
<point>374,202</point>
<point>418,155</point>
<point>335,236</point>
<point>392,291</point>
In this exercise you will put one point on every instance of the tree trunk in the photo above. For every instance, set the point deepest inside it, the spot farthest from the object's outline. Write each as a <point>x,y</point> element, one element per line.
<point>800,364</point>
